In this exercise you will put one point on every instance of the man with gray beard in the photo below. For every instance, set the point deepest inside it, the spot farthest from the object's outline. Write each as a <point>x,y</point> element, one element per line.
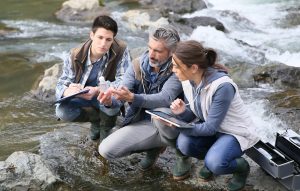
<point>147,84</point>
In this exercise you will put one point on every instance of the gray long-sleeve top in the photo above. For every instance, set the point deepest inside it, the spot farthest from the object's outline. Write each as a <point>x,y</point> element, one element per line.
<point>220,104</point>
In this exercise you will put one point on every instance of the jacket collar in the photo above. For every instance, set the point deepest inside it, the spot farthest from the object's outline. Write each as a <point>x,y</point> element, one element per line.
<point>84,52</point>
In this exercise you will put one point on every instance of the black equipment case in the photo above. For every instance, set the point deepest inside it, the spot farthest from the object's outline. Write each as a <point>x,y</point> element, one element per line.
<point>281,161</point>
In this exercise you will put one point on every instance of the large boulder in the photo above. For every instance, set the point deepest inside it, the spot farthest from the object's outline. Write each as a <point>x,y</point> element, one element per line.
<point>78,11</point>
<point>280,75</point>
<point>285,105</point>
<point>25,171</point>
<point>194,22</point>
<point>187,25</point>
<point>176,6</point>
<point>46,87</point>
<point>140,20</point>
<point>292,18</point>
<point>76,160</point>
<point>74,157</point>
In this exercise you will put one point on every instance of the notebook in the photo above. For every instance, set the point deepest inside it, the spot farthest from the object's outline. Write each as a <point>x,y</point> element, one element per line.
<point>170,119</point>
<point>71,96</point>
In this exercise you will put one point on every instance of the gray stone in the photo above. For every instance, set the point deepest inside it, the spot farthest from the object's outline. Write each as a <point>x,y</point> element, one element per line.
<point>25,171</point>
<point>187,25</point>
<point>72,154</point>
<point>176,6</point>
<point>77,11</point>
<point>141,20</point>
<point>46,88</point>
<point>279,75</point>
<point>75,158</point>
<point>4,30</point>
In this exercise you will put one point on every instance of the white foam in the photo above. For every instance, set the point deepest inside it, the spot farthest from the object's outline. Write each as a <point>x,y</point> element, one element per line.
<point>210,37</point>
<point>266,123</point>
<point>52,56</point>
<point>291,59</point>
<point>33,28</point>
<point>255,22</point>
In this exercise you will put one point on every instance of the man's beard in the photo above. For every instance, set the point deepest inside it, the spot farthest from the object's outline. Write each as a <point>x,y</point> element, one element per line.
<point>157,63</point>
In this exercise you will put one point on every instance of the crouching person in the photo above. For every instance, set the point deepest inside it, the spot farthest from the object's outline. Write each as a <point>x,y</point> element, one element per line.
<point>223,130</point>
<point>101,56</point>
<point>149,83</point>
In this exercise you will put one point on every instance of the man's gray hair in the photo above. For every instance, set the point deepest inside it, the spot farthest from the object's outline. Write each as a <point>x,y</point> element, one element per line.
<point>168,34</point>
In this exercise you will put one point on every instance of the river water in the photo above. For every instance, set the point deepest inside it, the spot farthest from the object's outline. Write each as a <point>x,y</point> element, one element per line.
<point>42,41</point>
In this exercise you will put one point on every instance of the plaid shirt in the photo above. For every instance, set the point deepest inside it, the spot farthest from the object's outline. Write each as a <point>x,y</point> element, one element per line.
<point>68,75</point>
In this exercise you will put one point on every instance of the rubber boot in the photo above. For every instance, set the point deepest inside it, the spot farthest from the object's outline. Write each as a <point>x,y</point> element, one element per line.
<point>95,131</point>
<point>205,174</point>
<point>104,132</point>
<point>106,124</point>
<point>182,167</point>
<point>240,175</point>
<point>151,157</point>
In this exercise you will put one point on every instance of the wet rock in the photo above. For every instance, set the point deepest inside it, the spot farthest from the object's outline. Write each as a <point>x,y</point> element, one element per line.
<point>77,11</point>
<point>205,21</point>
<point>46,87</point>
<point>241,73</point>
<point>187,25</point>
<point>25,171</point>
<point>240,21</point>
<point>286,105</point>
<point>4,30</point>
<point>70,153</point>
<point>140,20</point>
<point>279,75</point>
<point>292,19</point>
<point>75,159</point>
<point>176,6</point>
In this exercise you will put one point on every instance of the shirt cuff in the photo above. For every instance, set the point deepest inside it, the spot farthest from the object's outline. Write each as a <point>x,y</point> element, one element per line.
<point>137,100</point>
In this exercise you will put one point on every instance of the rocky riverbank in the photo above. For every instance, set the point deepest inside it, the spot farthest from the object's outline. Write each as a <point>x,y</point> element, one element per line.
<point>68,160</point>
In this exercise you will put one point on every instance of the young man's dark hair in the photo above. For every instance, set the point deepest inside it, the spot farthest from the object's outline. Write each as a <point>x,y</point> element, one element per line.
<point>104,21</point>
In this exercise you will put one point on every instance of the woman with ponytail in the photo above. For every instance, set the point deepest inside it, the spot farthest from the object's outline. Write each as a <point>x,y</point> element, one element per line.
<point>222,129</point>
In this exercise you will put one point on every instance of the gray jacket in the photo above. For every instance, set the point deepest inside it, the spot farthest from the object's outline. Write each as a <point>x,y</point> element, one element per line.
<point>148,94</point>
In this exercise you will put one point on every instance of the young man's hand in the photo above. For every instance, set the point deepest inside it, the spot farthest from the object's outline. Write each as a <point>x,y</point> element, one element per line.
<point>93,91</point>
<point>72,89</point>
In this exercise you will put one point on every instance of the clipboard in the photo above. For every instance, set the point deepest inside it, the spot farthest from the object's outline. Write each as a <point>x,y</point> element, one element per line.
<point>71,96</point>
<point>170,119</point>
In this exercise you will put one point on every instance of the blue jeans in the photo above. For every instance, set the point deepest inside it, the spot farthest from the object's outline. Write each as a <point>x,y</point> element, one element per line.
<point>81,110</point>
<point>73,110</point>
<point>220,151</point>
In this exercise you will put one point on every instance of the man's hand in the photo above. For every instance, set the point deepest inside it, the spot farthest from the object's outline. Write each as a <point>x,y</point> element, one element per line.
<point>105,97</point>
<point>123,94</point>
<point>177,106</point>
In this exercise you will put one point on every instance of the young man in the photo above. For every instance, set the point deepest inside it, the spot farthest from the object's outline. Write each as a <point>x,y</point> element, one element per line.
<point>101,55</point>
<point>149,83</point>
